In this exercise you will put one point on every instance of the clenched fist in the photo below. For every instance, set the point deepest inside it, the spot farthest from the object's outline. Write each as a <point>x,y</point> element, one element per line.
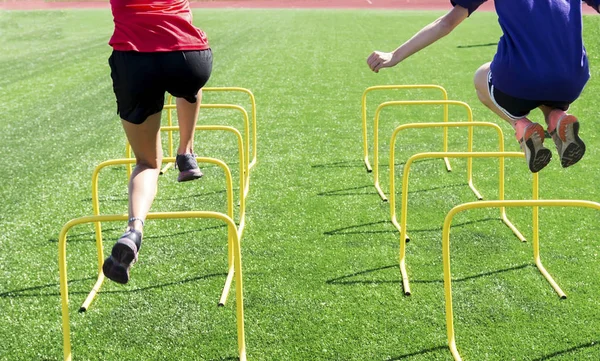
<point>380,59</point>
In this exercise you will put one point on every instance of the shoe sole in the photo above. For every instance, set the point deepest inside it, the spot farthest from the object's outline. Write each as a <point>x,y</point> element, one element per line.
<point>123,256</point>
<point>574,147</point>
<point>189,175</point>
<point>538,155</point>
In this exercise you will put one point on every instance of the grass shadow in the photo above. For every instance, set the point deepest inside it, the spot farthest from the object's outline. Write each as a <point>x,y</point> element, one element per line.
<point>353,191</point>
<point>84,237</point>
<point>355,229</point>
<point>344,280</point>
<point>340,164</point>
<point>80,237</point>
<point>112,199</point>
<point>569,350</point>
<point>454,225</point>
<point>163,285</point>
<point>418,353</point>
<point>186,232</point>
<point>476,45</point>
<point>399,165</point>
<point>479,275</point>
<point>456,185</point>
<point>23,292</point>
<point>340,280</point>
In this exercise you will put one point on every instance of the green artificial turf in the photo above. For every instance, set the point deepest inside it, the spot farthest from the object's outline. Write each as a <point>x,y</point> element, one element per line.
<point>320,256</point>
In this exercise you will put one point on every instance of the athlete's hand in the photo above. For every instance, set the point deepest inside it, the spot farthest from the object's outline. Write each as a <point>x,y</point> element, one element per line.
<point>380,59</point>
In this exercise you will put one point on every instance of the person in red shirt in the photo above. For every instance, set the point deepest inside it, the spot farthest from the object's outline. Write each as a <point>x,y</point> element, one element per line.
<point>156,49</point>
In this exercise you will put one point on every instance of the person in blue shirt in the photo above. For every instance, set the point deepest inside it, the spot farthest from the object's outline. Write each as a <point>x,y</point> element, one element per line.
<point>541,65</point>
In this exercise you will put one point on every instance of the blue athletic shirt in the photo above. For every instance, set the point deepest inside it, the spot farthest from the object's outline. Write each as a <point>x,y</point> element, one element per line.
<point>540,55</point>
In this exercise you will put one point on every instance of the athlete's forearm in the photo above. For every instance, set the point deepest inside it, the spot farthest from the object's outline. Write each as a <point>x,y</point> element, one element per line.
<point>430,34</point>
<point>425,37</point>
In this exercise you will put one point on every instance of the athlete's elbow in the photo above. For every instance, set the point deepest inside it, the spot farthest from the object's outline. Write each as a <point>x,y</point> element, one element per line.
<point>446,26</point>
<point>451,20</point>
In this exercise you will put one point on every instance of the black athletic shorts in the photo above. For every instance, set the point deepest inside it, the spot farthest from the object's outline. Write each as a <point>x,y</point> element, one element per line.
<point>140,80</point>
<point>517,108</point>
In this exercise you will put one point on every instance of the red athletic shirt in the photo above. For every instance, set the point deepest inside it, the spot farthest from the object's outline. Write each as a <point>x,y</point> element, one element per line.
<point>155,25</point>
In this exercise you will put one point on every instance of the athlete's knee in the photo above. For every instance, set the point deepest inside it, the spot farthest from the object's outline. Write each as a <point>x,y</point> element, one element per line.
<point>483,97</point>
<point>480,80</point>
<point>151,163</point>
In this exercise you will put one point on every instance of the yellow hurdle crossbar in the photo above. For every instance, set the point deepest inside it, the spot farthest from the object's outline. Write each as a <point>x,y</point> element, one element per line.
<point>233,236</point>
<point>536,248</point>
<point>404,211</point>
<point>392,87</point>
<point>446,125</point>
<point>98,226</point>
<point>220,89</point>
<point>219,106</point>
<point>253,111</point>
<point>170,129</point>
<point>244,172</point>
<point>416,102</point>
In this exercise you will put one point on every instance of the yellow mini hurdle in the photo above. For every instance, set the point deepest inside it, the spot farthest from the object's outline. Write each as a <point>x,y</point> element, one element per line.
<point>170,106</point>
<point>416,102</point>
<point>170,129</point>
<point>403,216</point>
<point>233,237</point>
<point>446,125</point>
<point>392,87</point>
<point>536,248</point>
<point>244,166</point>
<point>98,226</point>
<point>253,110</point>
<point>244,170</point>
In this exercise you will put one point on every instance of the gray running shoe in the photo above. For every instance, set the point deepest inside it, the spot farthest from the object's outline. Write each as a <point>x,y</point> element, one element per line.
<point>569,146</point>
<point>532,144</point>
<point>188,167</point>
<point>124,254</point>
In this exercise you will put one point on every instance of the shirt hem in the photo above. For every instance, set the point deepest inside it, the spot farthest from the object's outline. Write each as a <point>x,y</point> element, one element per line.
<point>123,47</point>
